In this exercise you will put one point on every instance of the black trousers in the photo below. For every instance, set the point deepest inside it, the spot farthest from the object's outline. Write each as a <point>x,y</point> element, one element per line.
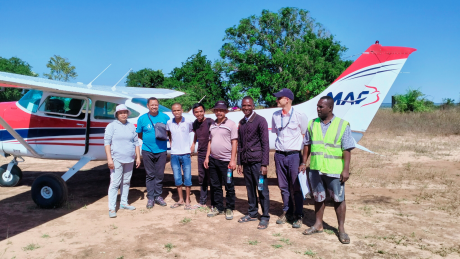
<point>203,181</point>
<point>218,175</point>
<point>251,176</point>
<point>154,164</point>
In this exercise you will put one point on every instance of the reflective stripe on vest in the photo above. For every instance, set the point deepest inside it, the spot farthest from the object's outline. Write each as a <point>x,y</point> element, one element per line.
<point>326,152</point>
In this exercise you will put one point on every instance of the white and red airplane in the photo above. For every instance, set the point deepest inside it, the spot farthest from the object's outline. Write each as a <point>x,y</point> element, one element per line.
<point>56,120</point>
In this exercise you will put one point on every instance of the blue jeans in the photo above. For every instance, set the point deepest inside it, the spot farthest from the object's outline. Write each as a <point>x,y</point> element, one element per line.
<point>182,160</point>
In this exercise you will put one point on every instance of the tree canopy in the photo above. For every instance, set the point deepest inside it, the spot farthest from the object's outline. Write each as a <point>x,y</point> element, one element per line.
<point>413,101</point>
<point>146,78</point>
<point>60,69</point>
<point>266,53</point>
<point>197,77</point>
<point>17,66</point>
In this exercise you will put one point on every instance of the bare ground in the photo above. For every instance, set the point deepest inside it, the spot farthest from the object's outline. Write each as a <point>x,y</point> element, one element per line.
<point>404,204</point>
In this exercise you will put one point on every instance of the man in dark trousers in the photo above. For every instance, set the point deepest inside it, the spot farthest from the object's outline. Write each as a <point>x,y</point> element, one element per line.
<point>221,156</point>
<point>289,124</point>
<point>252,160</point>
<point>201,128</point>
<point>153,152</point>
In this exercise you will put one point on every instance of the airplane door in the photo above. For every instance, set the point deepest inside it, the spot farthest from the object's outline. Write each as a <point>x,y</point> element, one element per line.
<point>61,125</point>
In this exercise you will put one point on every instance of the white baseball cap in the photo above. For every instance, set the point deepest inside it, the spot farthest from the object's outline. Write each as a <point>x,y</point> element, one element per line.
<point>121,107</point>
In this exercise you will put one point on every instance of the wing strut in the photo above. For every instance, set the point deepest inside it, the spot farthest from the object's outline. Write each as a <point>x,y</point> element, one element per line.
<point>15,135</point>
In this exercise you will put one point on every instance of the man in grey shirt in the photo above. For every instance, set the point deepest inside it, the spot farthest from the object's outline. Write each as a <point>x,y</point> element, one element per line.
<point>320,147</point>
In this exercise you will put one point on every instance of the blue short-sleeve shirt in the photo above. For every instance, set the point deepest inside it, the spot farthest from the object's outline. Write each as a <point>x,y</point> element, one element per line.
<point>144,126</point>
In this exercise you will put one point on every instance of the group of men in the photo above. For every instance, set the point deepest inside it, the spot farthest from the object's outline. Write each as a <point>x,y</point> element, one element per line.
<point>225,146</point>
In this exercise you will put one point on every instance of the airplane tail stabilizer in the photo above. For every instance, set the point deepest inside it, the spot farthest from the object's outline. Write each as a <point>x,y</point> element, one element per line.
<point>360,90</point>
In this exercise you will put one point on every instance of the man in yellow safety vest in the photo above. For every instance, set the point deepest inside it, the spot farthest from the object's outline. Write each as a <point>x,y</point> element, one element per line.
<point>329,141</point>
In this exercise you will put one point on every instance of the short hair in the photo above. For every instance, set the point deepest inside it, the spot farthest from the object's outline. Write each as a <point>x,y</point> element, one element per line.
<point>329,100</point>
<point>247,97</point>
<point>196,105</point>
<point>152,99</point>
<point>177,104</point>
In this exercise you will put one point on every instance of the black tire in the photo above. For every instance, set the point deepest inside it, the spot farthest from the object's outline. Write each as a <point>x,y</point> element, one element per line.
<point>16,176</point>
<point>49,191</point>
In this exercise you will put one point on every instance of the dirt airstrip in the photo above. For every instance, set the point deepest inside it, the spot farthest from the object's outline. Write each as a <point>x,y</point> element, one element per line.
<point>404,204</point>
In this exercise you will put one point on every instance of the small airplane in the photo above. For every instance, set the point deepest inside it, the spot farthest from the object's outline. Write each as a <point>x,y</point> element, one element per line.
<point>57,120</point>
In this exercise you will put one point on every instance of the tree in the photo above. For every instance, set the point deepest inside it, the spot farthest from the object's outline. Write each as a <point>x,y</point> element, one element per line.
<point>197,77</point>
<point>447,103</point>
<point>286,49</point>
<point>412,101</point>
<point>235,95</point>
<point>145,78</point>
<point>17,66</point>
<point>60,69</point>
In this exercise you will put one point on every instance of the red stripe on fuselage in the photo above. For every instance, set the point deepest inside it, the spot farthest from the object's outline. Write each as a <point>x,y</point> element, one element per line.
<point>18,119</point>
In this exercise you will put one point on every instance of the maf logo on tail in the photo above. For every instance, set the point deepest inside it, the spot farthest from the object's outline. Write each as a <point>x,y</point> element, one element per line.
<point>350,98</point>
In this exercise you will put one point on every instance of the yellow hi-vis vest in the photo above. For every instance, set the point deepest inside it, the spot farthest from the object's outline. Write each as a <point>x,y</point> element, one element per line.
<point>326,153</point>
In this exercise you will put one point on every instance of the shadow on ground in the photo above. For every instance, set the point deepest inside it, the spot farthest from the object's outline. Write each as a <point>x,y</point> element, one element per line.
<point>19,212</point>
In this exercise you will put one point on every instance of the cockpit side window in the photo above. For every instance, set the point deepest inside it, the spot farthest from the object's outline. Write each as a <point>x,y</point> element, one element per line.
<point>106,111</point>
<point>31,100</point>
<point>66,107</point>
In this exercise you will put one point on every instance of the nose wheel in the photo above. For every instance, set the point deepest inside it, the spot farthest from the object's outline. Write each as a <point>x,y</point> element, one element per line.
<point>10,178</point>
<point>49,191</point>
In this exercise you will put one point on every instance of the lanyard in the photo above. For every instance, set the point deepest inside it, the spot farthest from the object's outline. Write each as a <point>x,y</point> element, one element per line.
<point>290,116</point>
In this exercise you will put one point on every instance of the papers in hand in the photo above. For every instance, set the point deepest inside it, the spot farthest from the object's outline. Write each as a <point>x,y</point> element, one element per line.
<point>303,180</point>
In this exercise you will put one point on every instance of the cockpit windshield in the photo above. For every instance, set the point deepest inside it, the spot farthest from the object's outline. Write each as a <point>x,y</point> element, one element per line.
<point>31,100</point>
<point>143,102</point>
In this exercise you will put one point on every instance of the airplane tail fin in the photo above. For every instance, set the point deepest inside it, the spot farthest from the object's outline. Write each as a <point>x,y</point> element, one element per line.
<point>359,91</point>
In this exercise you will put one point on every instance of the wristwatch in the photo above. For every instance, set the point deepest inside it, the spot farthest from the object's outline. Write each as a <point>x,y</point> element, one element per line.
<point>303,164</point>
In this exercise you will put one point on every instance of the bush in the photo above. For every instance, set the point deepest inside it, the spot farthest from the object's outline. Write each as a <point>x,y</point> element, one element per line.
<point>447,103</point>
<point>412,101</point>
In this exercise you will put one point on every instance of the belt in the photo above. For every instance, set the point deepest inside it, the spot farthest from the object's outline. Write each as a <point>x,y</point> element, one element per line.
<point>287,153</point>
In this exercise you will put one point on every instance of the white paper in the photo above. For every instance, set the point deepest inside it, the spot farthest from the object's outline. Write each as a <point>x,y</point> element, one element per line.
<point>303,180</point>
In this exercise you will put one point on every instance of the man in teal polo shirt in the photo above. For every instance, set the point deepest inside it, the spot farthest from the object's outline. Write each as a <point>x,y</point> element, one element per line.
<point>153,152</point>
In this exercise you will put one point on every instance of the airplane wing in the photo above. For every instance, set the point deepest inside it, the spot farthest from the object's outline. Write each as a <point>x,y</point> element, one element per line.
<point>29,82</point>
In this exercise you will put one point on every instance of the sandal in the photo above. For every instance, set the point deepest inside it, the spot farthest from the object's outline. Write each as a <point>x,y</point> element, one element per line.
<point>311,231</point>
<point>263,224</point>
<point>344,238</point>
<point>176,205</point>
<point>188,207</point>
<point>246,218</point>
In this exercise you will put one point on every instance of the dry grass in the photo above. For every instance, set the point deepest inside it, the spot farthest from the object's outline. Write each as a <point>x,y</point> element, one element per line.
<point>436,123</point>
<point>413,146</point>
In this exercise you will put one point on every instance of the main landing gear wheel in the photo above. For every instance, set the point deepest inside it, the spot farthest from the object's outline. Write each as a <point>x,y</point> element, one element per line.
<point>49,191</point>
<point>11,179</point>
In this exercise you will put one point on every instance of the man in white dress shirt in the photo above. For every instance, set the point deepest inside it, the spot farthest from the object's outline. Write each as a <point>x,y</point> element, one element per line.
<point>289,125</point>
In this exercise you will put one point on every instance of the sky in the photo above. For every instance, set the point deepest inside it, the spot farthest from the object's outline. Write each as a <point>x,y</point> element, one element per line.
<point>163,34</point>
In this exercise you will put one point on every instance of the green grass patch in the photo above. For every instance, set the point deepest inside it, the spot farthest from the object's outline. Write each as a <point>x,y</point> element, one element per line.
<point>169,247</point>
<point>309,252</point>
<point>31,247</point>
<point>286,241</point>
<point>185,220</point>
<point>253,242</point>
<point>277,246</point>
